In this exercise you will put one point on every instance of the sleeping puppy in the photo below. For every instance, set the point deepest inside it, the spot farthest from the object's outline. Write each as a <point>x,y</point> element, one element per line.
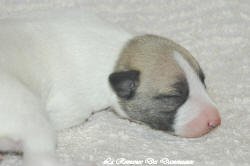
<point>58,67</point>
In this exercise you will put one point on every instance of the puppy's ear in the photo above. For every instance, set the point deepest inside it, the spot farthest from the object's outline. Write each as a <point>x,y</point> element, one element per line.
<point>124,83</point>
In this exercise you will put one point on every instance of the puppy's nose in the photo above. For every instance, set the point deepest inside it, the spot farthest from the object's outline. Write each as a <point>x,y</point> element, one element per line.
<point>214,123</point>
<point>208,119</point>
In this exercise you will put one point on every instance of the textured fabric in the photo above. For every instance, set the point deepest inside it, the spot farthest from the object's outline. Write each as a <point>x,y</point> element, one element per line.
<point>217,33</point>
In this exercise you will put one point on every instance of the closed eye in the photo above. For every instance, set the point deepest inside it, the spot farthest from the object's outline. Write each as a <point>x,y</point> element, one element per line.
<point>177,95</point>
<point>166,96</point>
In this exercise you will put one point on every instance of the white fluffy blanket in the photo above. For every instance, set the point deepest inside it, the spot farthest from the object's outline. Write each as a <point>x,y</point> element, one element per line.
<point>217,33</point>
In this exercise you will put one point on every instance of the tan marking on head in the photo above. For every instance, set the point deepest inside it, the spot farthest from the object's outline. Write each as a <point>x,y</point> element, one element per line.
<point>152,56</point>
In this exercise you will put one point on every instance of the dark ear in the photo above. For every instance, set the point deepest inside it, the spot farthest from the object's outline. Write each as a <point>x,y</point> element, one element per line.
<point>124,83</point>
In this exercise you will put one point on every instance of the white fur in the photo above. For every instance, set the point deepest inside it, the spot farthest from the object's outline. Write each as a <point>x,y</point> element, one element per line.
<point>54,72</point>
<point>197,98</point>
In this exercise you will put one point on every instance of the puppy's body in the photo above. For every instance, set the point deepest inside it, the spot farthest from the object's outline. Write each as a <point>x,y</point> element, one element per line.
<point>58,67</point>
<point>68,71</point>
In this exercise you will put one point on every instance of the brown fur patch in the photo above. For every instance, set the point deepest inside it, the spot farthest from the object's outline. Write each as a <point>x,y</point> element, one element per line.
<point>152,56</point>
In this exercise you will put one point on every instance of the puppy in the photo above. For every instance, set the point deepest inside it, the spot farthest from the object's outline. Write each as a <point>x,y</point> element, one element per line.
<point>57,67</point>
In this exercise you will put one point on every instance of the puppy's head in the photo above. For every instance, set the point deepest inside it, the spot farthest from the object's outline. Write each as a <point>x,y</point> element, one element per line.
<point>159,83</point>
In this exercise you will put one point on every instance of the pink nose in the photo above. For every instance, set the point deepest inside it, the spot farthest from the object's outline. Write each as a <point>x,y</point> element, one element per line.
<point>208,119</point>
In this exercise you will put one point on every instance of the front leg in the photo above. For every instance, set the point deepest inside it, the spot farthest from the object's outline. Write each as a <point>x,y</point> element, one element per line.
<point>24,126</point>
